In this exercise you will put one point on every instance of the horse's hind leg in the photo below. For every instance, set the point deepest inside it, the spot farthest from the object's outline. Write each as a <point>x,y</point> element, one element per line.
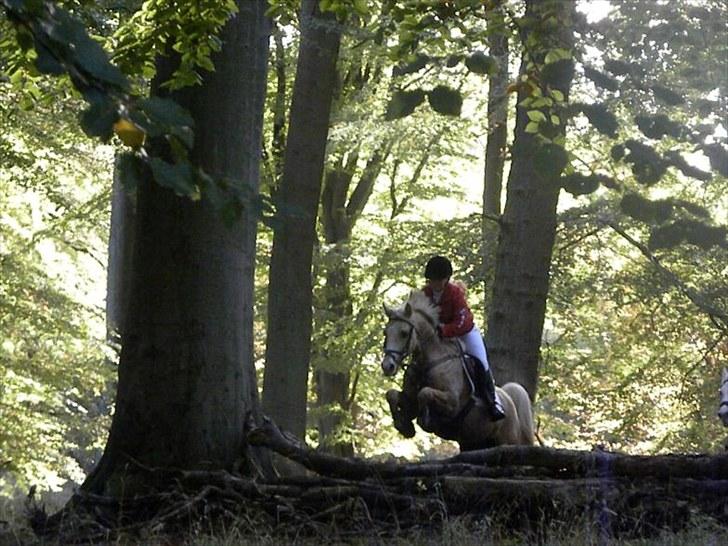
<point>402,413</point>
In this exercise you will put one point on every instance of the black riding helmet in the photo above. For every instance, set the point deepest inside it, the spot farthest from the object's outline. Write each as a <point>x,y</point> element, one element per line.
<point>438,268</point>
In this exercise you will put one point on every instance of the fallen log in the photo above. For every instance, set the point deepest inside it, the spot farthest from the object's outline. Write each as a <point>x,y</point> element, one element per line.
<point>571,463</point>
<point>500,461</point>
<point>524,488</point>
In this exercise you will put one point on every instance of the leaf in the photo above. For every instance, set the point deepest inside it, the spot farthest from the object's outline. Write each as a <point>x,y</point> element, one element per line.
<point>550,160</point>
<point>658,126</point>
<point>93,59</point>
<point>536,115</point>
<point>177,177</point>
<point>46,63</point>
<point>166,112</point>
<point>600,79</point>
<point>557,95</point>
<point>617,67</point>
<point>414,65</point>
<point>647,165</point>
<point>668,96</point>
<point>98,120</point>
<point>600,117</point>
<point>403,103</point>
<point>532,127</point>
<point>445,100</point>
<point>559,73</point>
<point>580,184</point>
<point>480,63</point>
<point>453,60</point>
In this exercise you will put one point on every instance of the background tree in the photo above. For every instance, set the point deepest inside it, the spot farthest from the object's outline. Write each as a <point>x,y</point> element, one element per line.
<point>288,339</point>
<point>528,226</point>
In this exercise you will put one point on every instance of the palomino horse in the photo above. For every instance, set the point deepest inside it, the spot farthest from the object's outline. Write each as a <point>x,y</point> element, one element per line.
<point>436,389</point>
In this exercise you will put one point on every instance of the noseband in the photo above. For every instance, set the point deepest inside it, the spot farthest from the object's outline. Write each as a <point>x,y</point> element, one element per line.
<point>399,356</point>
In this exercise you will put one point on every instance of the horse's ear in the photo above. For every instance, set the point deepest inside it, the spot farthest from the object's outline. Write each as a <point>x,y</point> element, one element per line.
<point>408,310</point>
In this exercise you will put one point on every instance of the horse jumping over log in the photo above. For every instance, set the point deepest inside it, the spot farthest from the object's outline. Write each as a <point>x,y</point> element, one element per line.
<point>437,389</point>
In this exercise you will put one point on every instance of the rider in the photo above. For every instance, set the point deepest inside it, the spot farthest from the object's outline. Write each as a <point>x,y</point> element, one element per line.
<point>456,320</point>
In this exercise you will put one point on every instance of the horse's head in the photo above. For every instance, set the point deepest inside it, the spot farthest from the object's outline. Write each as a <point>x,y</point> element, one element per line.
<point>400,338</point>
<point>723,407</point>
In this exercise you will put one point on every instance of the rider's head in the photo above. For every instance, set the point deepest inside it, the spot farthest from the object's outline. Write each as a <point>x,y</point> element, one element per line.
<point>437,271</point>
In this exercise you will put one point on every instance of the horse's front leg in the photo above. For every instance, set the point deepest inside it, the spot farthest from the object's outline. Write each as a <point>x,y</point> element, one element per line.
<point>403,412</point>
<point>443,403</point>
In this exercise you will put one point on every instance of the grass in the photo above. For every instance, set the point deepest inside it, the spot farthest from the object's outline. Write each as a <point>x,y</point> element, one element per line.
<point>246,529</point>
<point>455,532</point>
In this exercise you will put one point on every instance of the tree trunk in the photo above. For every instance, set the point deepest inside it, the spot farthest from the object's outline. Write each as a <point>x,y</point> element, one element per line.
<point>495,148</point>
<point>528,228</point>
<point>121,251</point>
<point>288,342</point>
<point>186,375</point>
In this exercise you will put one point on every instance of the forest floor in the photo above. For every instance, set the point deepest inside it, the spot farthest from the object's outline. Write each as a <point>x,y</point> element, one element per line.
<point>508,495</point>
<point>459,531</point>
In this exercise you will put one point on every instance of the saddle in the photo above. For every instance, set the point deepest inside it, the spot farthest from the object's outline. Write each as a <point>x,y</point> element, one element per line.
<point>473,370</point>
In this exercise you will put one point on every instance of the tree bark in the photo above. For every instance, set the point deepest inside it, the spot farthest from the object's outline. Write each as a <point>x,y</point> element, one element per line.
<point>495,149</point>
<point>528,230</point>
<point>288,342</point>
<point>186,374</point>
<point>121,251</point>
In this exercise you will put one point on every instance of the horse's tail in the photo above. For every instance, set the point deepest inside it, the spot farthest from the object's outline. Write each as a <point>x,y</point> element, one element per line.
<point>521,400</point>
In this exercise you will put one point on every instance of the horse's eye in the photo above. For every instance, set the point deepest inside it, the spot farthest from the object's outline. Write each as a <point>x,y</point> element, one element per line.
<point>403,334</point>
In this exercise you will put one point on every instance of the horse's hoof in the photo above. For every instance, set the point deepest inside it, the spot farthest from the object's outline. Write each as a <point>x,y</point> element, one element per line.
<point>406,429</point>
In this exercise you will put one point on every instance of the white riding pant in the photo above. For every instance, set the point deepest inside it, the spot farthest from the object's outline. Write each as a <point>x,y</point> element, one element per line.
<point>474,346</point>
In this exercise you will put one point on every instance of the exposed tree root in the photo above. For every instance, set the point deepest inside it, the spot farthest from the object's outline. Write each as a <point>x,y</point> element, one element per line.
<point>526,488</point>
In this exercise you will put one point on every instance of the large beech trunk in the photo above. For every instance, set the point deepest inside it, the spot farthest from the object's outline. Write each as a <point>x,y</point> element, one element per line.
<point>288,342</point>
<point>186,375</point>
<point>495,149</point>
<point>527,234</point>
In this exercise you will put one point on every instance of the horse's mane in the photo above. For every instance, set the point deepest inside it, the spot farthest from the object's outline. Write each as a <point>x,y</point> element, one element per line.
<point>419,301</point>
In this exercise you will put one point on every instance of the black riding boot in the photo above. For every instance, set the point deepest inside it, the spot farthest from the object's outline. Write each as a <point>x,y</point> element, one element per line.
<point>487,390</point>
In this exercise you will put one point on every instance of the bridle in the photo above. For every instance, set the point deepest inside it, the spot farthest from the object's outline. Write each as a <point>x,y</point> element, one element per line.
<point>723,402</point>
<point>396,355</point>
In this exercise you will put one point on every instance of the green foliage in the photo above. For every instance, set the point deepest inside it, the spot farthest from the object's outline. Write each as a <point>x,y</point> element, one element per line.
<point>647,165</point>
<point>600,79</point>
<point>581,184</point>
<point>688,231</point>
<point>600,117</point>
<point>445,100</point>
<point>550,160</point>
<point>480,63</point>
<point>55,370</point>
<point>415,64</point>
<point>627,359</point>
<point>189,29</point>
<point>403,103</point>
<point>557,73</point>
<point>658,126</point>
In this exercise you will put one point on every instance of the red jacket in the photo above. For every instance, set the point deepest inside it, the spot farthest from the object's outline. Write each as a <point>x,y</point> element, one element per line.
<point>455,315</point>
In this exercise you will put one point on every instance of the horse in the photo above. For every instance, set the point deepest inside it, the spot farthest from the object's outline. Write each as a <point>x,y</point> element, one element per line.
<point>723,404</point>
<point>437,390</point>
